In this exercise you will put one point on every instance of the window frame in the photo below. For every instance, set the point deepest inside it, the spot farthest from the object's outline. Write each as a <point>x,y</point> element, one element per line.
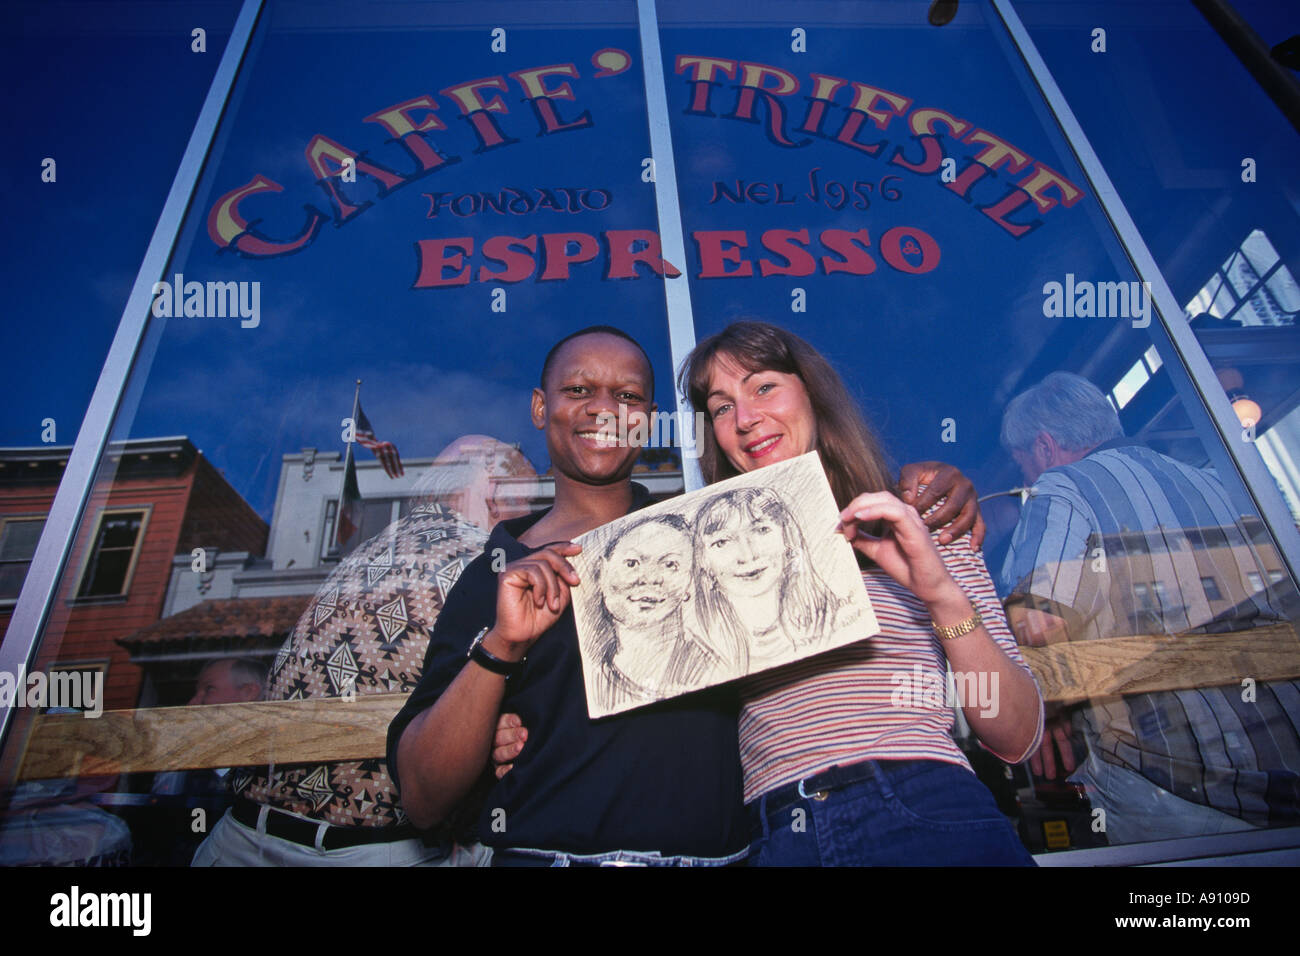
<point>92,547</point>
<point>99,664</point>
<point>5,520</point>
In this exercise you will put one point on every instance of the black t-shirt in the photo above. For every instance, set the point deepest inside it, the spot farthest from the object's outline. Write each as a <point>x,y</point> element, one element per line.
<point>664,777</point>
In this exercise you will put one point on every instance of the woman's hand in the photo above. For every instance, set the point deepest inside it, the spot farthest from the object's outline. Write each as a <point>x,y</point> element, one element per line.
<point>507,744</point>
<point>904,550</point>
<point>960,511</point>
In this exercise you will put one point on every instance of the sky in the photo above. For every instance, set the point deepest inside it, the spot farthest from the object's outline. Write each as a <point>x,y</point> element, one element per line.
<point>111,92</point>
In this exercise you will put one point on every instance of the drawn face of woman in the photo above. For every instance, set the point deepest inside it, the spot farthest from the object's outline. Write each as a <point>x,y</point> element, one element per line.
<point>746,555</point>
<point>648,574</point>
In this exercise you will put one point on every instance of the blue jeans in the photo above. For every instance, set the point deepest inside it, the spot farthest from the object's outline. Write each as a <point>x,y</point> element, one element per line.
<point>1138,811</point>
<point>892,813</point>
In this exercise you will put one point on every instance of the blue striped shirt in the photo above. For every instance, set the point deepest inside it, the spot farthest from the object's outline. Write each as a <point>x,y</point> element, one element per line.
<point>1128,541</point>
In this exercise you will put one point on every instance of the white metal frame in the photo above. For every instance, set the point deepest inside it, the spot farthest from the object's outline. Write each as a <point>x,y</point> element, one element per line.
<point>40,587</point>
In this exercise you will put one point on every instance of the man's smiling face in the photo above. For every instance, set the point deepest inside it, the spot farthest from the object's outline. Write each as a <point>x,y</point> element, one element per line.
<point>578,406</point>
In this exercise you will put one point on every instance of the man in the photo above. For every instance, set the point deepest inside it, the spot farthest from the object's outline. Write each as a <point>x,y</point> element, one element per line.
<point>229,680</point>
<point>657,785</point>
<point>225,680</point>
<point>170,840</point>
<point>660,785</point>
<point>366,631</point>
<point>1117,540</point>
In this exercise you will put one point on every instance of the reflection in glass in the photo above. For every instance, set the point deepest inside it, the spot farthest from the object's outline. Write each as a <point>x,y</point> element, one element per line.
<point>1115,541</point>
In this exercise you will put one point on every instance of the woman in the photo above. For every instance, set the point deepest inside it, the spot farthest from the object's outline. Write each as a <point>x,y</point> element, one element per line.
<point>847,763</point>
<point>636,631</point>
<point>744,542</point>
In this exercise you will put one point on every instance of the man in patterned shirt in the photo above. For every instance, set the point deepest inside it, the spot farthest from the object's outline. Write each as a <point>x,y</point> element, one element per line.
<point>366,631</point>
<point>1116,540</point>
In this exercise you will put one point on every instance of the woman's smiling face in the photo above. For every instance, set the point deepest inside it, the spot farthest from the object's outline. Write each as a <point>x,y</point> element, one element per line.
<point>745,554</point>
<point>759,418</point>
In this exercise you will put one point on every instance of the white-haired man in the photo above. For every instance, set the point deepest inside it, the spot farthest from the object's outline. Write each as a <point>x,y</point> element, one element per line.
<point>1117,539</point>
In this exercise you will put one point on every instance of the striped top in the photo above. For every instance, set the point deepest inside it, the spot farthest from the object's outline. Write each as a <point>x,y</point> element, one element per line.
<point>879,699</point>
<point>1128,541</point>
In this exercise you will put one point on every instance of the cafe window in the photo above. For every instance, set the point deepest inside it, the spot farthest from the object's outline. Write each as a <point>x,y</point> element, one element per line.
<point>899,194</point>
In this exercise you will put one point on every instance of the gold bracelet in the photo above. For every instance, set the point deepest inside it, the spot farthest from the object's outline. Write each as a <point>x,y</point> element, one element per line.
<point>950,632</point>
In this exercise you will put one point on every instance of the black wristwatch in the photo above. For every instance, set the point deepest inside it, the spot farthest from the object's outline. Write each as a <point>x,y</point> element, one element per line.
<point>481,656</point>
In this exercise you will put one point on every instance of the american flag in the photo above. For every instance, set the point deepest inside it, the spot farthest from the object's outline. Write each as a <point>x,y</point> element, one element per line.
<point>385,451</point>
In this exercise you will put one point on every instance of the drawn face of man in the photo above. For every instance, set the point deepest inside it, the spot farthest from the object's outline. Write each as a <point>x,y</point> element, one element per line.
<point>746,555</point>
<point>648,574</point>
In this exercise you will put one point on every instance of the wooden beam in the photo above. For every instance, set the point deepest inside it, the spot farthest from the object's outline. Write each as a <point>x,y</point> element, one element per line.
<point>329,729</point>
<point>1079,671</point>
<point>215,735</point>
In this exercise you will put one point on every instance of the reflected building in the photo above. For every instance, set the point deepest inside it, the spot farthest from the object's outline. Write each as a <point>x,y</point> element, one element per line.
<point>166,500</point>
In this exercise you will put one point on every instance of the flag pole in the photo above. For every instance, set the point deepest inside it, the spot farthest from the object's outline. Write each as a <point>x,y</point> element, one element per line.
<point>338,507</point>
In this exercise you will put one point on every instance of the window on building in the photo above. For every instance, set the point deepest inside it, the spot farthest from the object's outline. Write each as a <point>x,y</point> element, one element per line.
<point>1212,589</point>
<point>18,538</point>
<point>376,515</point>
<point>327,534</point>
<point>113,554</point>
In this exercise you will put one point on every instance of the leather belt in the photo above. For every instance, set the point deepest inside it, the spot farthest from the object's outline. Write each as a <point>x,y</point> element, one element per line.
<point>296,830</point>
<point>819,785</point>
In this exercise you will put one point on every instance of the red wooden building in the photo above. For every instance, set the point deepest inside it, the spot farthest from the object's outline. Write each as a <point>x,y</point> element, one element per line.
<point>163,499</point>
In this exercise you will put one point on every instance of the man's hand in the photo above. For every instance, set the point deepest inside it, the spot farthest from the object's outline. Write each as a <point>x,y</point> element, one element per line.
<point>959,513</point>
<point>532,593</point>
<point>904,549</point>
<point>1035,628</point>
<point>1057,732</point>
<point>508,743</point>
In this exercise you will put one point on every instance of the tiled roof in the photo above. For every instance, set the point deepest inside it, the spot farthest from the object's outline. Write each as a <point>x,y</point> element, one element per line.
<point>225,619</point>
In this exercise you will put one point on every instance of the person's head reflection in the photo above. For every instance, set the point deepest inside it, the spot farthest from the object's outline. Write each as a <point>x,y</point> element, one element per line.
<point>1057,422</point>
<point>472,477</point>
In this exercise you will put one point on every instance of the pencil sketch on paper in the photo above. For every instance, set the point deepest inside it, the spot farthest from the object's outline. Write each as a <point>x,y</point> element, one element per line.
<point>723,582</point>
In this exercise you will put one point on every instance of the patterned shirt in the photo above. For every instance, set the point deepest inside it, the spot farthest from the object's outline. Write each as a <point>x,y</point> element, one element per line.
<point>367,628</point>
<point>1128,541</point>
<point>883,698</point>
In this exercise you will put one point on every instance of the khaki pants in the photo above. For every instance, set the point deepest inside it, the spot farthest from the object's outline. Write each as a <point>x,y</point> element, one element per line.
<point>232,844</point>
